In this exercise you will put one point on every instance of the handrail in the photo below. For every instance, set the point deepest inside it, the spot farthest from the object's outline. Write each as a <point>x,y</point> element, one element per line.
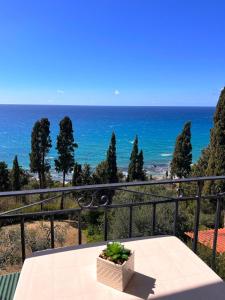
<point>112,186</point>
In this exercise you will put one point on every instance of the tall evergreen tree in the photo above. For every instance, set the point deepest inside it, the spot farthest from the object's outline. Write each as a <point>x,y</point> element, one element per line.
<point>140,166</point>
<point>200,167</point>
<point>16,175</point>
<point>216,162</point>
<point>111,161</point>
<point>4,177</point>
<point>182,156</point>
<point>77,175</point>
<point>132,169</point>
<point>86,175</point>
<point>40,146</point>
<point>136,166</point>
<point>65,146</point>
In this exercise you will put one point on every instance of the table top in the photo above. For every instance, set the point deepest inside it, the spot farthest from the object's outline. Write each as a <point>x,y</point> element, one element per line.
<point>165,268</point>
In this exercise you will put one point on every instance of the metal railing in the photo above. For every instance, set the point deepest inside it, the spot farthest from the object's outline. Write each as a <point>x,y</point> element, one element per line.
<point>101,199</point>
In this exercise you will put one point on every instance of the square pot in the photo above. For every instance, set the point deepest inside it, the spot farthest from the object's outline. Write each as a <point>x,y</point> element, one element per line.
<point>115,275</point>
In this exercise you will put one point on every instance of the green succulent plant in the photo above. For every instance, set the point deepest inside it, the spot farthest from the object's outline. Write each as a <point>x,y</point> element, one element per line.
<point>116,252</point>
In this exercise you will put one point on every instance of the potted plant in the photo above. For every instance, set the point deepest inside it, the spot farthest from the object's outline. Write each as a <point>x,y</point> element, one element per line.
<point>115,265</point>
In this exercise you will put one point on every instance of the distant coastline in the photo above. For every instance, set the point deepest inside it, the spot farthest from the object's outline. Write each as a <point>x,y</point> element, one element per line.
<point>156,171</point>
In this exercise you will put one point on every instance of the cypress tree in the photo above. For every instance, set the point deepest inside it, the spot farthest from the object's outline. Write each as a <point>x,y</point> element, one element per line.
<point>132,169</point>
<point>182,156</point>
<point>176,163</point>
<point>65,146</point>
<point>77,175</point>
<point>40,147</point>
<point>136,166</point>
<point>140,167</point>
<point>86,174</point>
<point>4,177</point>
<point>200,167</point>
<point>15,175</point>
<point>216,162</point>
<point>111,161</point>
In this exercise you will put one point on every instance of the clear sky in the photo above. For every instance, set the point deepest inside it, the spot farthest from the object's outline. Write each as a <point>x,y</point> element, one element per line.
<point>112,52</point>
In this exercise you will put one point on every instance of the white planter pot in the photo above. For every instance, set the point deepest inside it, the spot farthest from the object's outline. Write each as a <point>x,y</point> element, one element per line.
<point>115,275</point>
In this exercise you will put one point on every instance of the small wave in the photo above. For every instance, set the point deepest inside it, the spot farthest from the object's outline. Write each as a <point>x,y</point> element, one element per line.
<point>165,154</point>
<point>131,142</point>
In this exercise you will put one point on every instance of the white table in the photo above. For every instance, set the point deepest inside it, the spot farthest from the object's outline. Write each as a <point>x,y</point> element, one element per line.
<point>165,269</point>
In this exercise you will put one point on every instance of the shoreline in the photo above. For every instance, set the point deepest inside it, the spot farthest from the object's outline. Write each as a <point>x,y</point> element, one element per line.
<point>158,171</point>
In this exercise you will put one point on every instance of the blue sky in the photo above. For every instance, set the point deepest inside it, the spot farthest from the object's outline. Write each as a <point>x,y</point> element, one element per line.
<point>119,52</point>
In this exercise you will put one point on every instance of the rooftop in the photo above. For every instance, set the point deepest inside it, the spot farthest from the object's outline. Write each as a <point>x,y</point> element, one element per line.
<point>8,285</point>
<point>205,237</point>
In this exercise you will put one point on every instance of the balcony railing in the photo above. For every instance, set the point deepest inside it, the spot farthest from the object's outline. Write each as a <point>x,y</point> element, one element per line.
<point>101,198</point>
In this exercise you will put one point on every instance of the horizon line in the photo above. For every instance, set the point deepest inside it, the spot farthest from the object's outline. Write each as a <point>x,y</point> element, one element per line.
<point>100,105</point>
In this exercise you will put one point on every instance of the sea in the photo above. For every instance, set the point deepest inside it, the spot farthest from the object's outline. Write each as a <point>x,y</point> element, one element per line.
<point>156,127</point>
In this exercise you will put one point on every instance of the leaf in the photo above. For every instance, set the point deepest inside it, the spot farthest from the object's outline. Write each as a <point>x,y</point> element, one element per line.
<point>116,251</point>
<point>115,256</point>
<point>125,256</point>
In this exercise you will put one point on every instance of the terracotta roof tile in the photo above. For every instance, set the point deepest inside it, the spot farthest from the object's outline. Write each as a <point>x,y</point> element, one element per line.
<point>205,237</point>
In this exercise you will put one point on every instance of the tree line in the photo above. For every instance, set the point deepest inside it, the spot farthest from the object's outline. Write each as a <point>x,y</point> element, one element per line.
<point>212,159</point>
<point>41,143</point>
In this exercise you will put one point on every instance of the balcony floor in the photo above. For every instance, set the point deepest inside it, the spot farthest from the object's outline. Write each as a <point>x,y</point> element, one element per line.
<point>165,269</point>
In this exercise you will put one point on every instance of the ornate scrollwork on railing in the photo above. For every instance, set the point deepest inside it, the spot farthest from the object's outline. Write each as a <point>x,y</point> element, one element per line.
<point>93,201</point>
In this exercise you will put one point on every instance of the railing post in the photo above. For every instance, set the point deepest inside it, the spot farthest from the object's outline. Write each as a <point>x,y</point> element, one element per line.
<point>217,223</point>
<point>41,199</point>
<point>52,232</point>
<point>179,195</point>
<point>62,201</point>
<point>22,231</point>
<point>79,229</point>
<point>130,221</point>
<point>175,217</point>
<point>105,224</point>
<point>197,215</point>
<point>153,218</point>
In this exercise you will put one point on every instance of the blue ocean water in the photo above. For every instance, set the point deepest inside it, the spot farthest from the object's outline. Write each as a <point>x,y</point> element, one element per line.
<point>157,128</point>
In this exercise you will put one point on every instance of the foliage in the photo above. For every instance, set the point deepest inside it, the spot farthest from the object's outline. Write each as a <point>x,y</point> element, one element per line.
<point>140,166</point>
<point>182,156</point>
<point>86,174</point>
<point>111,161</point>
<point>37,238</point>
<point>135,168</point>
<point>19,177</point>
<point>200,167</point>
<point>216,161</point>
<point>65,147</point>
<point>40,147</point>
<point>101,173</point>
<point>77,175</point>
<point>15,173</point>
<point>94,233</point>
<point>132,169</point>
<point>116,252</point>
<point>4,177</point>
